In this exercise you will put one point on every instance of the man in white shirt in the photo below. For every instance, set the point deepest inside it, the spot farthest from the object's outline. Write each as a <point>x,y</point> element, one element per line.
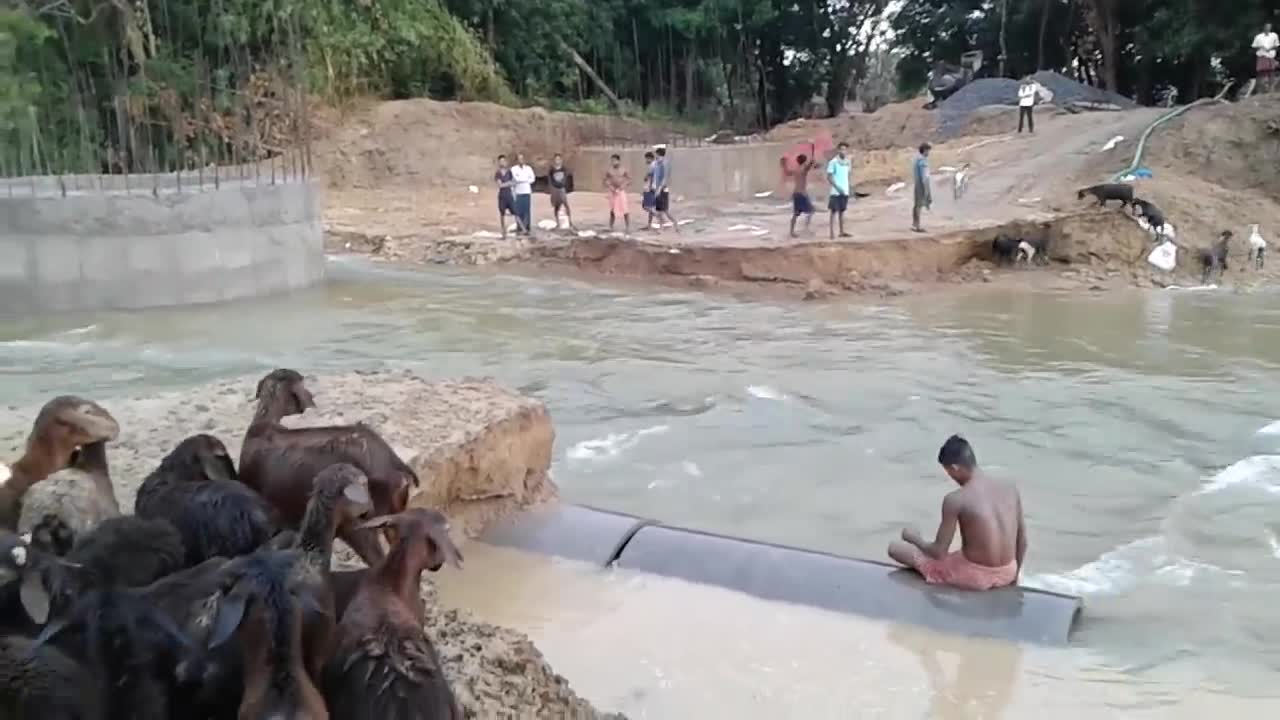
<point>1264,46</point>
<point>523,176</point>
<point>1027,92</point>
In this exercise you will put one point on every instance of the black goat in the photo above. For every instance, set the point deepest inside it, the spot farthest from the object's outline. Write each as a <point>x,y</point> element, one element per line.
<point>129,551</point>
<point>42,683</point>
<point>128,644</point>
<point>1215,257</point>
<point>1153,214</point>
<point>196,489</point>
<point>1004,248</point>
<point>1109,191</point>
<point>262,610</point>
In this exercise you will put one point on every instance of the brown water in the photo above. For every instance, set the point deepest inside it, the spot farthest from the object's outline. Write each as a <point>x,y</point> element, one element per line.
<point>1131,422</point>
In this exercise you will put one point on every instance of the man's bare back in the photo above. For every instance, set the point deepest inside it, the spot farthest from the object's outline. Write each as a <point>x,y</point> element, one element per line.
<point>988,514</point>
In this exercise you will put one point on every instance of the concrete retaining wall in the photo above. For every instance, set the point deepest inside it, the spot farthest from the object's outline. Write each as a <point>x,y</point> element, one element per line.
<point>707,171</point>
<point>110,249</point>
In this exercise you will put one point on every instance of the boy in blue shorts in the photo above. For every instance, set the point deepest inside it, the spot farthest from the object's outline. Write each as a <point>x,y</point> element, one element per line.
<point>649,200</point>
<point>801,204</point>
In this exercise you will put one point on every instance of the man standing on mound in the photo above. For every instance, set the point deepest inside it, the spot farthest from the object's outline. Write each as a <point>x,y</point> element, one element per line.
<point>993,538</point>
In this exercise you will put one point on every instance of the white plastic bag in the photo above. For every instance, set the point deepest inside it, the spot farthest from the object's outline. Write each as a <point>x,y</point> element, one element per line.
<point>1164,257</point>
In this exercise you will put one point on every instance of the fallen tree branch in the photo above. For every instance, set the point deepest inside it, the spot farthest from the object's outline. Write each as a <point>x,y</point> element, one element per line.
<point>586,68</point>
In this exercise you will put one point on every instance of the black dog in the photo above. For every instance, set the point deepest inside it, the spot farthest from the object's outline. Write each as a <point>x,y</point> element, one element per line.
<point>1215,258</point>
<point>1109,191</point>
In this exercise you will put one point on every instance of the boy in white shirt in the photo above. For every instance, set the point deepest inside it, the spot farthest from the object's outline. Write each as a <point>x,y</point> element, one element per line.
<point>523,176</point>
<point>1027,92</point>
<point>1264,46</point>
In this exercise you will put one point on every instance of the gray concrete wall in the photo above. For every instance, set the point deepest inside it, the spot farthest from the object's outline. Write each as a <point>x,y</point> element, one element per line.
<point>109,249</point>
<point>707,171</point>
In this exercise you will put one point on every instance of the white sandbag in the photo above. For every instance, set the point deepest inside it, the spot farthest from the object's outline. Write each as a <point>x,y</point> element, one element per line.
<point>473,189</point>
<point>896,187</point>
<point>1164,257</point>
<point>548,224</point>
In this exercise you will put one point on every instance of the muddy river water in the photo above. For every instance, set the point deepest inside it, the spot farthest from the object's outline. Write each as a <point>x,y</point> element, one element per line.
<point>1139,427</point>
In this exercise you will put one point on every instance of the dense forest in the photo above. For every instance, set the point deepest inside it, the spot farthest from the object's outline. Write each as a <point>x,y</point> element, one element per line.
<point>134,84</point>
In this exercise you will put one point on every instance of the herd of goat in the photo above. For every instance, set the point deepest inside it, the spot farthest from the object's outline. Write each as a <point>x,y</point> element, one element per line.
<point>1008,249</point>
<point>216,598</point>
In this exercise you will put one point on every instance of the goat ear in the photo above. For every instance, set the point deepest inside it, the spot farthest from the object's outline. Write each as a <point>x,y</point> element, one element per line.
<point>51,631</point>
<point>303,396</point>
<point>35,597</point>
<point>439,535</point>
<point>379,523</point>
<point>357,493</point>
<point>230,615</point>
<point>217,467</point>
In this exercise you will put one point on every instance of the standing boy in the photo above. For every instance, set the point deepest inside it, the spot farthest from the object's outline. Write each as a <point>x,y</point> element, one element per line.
<point>523,175</point>
<point>649,198</point>
<point>923,195</point>
<point>616,182</point>
<point>662,196</point>
<point>801,204</point>
<point>506,199</point>
<point>1265,44</point>
<point>838,199</point>
<point>1027,92</point>
<point>560,181</point>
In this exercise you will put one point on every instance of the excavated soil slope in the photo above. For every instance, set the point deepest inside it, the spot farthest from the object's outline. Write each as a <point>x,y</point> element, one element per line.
<point>431,143</point>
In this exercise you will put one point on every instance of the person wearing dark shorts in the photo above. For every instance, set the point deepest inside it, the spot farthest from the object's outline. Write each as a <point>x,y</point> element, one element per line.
<point>801,204</point>
<point>560,181</point>
<point>506,197</point>
<point>662,201</point>
<point>838,177</point>
<point>648,197</point>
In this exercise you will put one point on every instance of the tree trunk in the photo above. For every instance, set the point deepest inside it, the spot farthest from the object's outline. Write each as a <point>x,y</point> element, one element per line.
<point>1045,7</point>
<point>690,66</point>
<point>673,98</point>
<point>1004,50</point>
<point>642,90</point>
<point>1101,15</point>
<point>586,68</point>
<point>838,84</point>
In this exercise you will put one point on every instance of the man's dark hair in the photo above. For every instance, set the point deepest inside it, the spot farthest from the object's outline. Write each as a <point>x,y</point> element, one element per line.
<point>502,157</point>
<point>556,156</point>
<point>843,145</point>
<point>925,147</point>
<point>801,159</point>
<point>662,152</point>
<point>957,451</point>
<point>648,156</point>
<point>615,156</point>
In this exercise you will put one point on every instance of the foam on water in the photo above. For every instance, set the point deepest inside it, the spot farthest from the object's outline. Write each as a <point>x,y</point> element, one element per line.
<point>1270,429</point>
<point>764,392</point>
<point>1150,560</point>
<point>611,445</point>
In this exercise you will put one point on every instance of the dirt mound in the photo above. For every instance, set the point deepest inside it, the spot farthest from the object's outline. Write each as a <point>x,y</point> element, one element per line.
<point>955,111</point>
<point>434,143</point>
<point>903,124</point>
<point>1227,145</point>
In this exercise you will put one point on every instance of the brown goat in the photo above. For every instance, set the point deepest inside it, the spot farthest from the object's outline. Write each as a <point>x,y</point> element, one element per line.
<point>264,608</point>
<point>385,666</point>
<point>282,463</point>
<point>64,423</point>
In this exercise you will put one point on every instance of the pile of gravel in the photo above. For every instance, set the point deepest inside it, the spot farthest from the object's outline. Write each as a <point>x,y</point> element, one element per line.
<point>955,110</point>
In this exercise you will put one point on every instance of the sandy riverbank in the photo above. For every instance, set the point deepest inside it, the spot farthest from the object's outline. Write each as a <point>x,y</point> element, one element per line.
<point>481,450</point>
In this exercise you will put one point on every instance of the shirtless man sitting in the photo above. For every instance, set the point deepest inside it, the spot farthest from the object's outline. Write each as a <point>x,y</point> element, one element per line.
<point>993,538</point>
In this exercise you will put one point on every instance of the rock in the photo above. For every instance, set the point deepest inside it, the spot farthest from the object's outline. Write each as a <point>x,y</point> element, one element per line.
<point>703,282</point>
<point>818,290</point>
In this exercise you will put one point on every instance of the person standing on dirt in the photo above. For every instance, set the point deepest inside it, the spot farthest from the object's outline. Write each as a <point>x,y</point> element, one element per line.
<point>524,176</point>
<point>1265,44</point>
<point>616,183</point>
<point>838,171</point>
<point>662,194</point>
<point>1027,93</point>
<point>649,197</point>
<point>801,203</point>
<point>504,181</point>
<point>923,196</point>
<point>560,181</point>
